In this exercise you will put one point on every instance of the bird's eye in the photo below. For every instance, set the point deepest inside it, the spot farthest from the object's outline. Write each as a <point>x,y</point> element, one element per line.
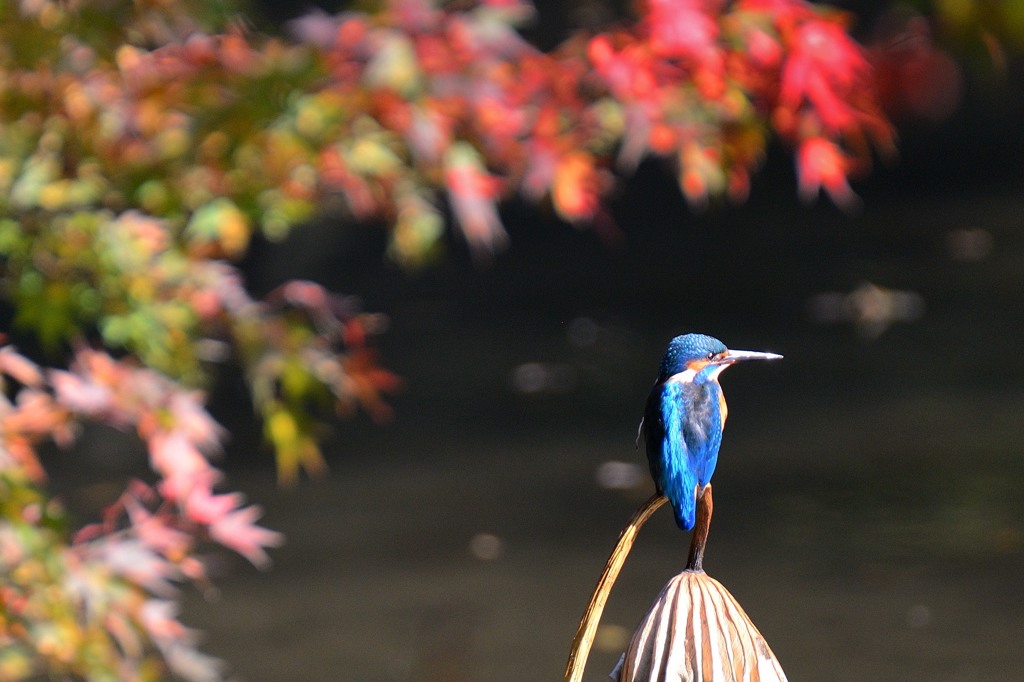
<point>711,355</point>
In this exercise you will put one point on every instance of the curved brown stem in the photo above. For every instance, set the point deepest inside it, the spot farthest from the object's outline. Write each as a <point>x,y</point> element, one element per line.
<point>705,505</point>
<point>584,638</point>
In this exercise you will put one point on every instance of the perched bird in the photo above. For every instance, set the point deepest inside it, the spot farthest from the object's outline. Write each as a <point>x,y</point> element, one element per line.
<point>684,417</point>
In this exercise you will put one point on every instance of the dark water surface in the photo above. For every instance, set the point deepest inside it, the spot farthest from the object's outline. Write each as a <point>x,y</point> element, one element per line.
<point>869,513</point>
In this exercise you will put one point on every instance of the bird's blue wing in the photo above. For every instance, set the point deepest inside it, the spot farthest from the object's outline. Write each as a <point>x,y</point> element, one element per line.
<point>677,479</point>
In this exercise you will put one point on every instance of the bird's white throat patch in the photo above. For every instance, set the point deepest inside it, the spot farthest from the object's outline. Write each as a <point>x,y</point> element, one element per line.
<point>688,375</point>
<point>684,377</point>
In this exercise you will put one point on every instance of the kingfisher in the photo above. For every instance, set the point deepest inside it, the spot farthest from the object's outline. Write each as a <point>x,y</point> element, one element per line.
<point>684,417</point>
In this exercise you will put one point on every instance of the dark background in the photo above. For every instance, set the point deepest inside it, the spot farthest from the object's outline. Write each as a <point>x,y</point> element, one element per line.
<point>868,506</point>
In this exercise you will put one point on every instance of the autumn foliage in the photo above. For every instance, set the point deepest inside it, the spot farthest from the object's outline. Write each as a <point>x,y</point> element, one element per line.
<point>143,145</point>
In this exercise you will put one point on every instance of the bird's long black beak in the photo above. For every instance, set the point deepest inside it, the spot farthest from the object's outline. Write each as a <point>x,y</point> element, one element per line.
<point>732,356</point>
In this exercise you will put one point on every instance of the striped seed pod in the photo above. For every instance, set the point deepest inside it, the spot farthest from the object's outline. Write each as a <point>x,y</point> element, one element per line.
<point>697,632</point>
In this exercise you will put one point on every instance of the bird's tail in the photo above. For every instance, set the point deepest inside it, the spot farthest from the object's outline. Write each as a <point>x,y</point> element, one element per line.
<point>684,509</point>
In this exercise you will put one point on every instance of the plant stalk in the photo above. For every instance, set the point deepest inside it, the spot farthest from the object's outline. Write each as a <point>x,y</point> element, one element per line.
<point>584,638</point>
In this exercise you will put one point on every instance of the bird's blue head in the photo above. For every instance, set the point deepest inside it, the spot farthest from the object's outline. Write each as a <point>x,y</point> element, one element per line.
<point>704,355</point>
<point>688,349</point>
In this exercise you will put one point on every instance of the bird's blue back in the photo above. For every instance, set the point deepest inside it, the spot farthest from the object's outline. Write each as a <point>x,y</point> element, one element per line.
<point>683,426</point>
